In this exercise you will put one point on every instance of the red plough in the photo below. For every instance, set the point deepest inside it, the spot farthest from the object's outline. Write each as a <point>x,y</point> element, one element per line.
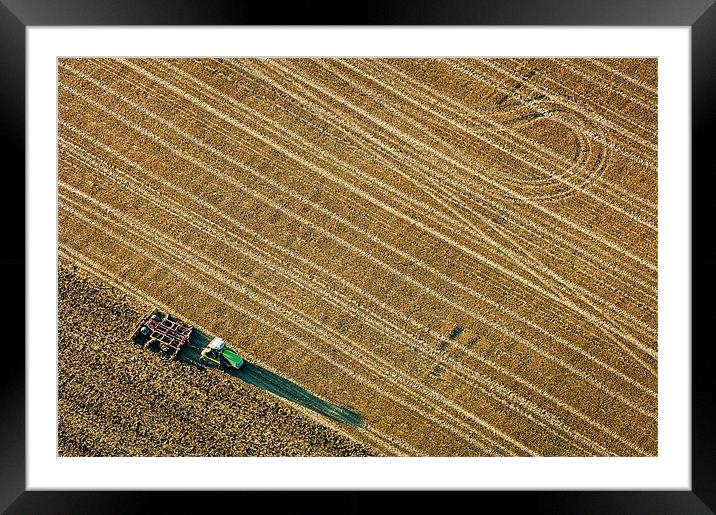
<point>161,329</point>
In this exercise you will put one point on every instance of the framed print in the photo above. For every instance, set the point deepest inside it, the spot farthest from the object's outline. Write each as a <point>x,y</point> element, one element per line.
<point>438,249</point>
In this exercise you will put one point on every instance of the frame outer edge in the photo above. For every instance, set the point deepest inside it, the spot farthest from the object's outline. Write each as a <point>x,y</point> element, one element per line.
<point>703,111</point>
<point>12,144</point>
<point>12,64</point>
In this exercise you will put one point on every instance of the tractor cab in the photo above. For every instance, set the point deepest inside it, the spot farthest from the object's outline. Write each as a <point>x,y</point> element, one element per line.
<point>218,354</point>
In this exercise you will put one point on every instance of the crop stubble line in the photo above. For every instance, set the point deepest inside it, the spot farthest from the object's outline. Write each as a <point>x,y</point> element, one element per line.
<point>649,162</point>
<point>442,184</point>
<point>648,105</point>
<point>653,206</point>
<point>416,122</point>
<point>569,286</point>
<point>461,66</point>
<point>569,103</point>
<point>596,107</point>
<point>491,142</point>
<point>307,324</point>
<point>465,223</point>
<point>505,250</point>
<point>143,297</point>
<point>368,197</point>
<point>305,221</point>
<point>447,159</point>
<point>601,64</point>
<point>348,370</point>
<point>521,63</point>
<point>399,196</point>
<point>466,112</point>
<point>379,442</point>
<point>490,119</point>
<point>176,243</point>
<point>145,90</point>
<point>472,73</point>
<point>469,371</point>
<point>467,129</point>
<point>139,190</point>
<point>273,64</point>
<point>431,212</point>
<point>303,324</point>
<point>626,337</point>
<point>594,175</point>
<point>525,222</point>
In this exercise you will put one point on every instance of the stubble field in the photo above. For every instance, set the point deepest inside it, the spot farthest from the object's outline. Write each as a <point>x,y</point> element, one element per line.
<point>463,251</point>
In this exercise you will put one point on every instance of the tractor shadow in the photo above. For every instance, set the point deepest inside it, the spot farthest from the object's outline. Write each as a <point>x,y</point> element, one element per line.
<point>265,379</point>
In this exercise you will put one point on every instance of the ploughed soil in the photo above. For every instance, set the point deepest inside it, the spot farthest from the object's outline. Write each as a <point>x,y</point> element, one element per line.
<point>118,399</point>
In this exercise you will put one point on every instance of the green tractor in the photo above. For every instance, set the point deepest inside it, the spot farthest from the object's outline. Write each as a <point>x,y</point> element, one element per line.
<point>217,354</point>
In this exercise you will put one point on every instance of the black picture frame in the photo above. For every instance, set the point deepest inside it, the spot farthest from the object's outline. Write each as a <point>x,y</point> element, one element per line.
<point>700,15</point>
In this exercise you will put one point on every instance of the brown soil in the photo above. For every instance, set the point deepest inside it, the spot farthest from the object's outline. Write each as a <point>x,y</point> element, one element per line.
<point>117,399</point>
<point>337,220</point>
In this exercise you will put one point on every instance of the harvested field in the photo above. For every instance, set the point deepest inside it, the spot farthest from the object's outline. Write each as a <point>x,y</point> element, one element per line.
<point>464,251</point>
